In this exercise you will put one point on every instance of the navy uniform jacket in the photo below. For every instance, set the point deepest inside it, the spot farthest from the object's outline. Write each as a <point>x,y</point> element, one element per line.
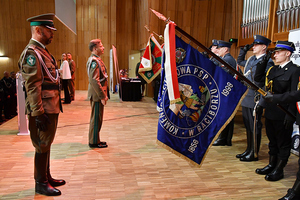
<point>249,72</point>
<point>283,80</point>
<point>227,58</point>
<point>230,60</point>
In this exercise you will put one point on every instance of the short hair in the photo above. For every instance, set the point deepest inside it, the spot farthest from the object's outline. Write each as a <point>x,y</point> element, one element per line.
<point>94,43</point>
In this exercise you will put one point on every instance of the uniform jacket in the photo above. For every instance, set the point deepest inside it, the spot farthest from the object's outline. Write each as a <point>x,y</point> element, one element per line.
<point>230,60</point>
<point>249,72</point>
<point>284,80</point>
<point>41,80</point>
<point>96,70</point>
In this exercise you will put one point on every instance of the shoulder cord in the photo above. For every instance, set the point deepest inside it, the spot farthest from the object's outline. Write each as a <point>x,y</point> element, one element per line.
<point>104,74</point>
<point>54,80</point>
<point>267,83</point>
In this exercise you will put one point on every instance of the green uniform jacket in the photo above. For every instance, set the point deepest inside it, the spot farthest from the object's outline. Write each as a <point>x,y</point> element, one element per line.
<point>96,70</point>
<point>40,72</point>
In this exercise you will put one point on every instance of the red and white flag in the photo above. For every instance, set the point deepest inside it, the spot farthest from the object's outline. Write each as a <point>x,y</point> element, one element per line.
<point>150,66</point>
<point>170,66</point>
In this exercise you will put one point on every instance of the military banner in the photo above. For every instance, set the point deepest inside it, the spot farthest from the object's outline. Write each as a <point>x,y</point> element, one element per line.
<point>209,99</point>
<point>150,66</point>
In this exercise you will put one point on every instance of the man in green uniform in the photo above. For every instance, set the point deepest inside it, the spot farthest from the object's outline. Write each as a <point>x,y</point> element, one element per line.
<point>40,72</point>
<point>97,92</point>
<point>72,66</point>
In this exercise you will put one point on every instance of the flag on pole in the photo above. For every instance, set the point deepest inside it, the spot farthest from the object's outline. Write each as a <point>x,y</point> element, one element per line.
<point>208,100</point>
<point>150,66</point>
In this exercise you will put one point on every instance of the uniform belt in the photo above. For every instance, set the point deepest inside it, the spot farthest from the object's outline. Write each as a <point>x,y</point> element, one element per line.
<point>50,87</point>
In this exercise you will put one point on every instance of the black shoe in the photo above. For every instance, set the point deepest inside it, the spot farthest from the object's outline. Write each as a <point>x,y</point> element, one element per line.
<point>275,175</point>
<point>56,182</point>
<point>248,158</point>
<point>269,168</point>
<point>220,143</point>
<point>46,189</point>
<point>66,102</point>
<point>100,145</point>
<point>291,195</point>
<point>266,170</point>
<point>242,154</point>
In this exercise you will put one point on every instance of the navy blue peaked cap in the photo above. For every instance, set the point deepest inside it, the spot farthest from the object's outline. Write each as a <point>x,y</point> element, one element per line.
<point>285,45</point>
<point>222,43</point>
<point>259,39</point>
<point>214,42</point>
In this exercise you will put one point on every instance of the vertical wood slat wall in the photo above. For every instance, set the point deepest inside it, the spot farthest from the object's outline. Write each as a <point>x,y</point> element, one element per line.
<point>116,22</point>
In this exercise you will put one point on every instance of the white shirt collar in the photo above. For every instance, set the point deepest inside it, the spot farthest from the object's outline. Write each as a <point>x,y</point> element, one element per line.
<point>39,43</point>
<point>258,57</point>
<point>284,64</point>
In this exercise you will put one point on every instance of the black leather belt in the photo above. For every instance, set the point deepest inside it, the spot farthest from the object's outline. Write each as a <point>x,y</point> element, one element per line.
<point>50,87</point>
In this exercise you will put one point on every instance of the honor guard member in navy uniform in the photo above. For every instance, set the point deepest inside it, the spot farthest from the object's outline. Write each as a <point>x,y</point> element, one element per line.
<point>289,97</point>
<point>214,49</point>
<point>223,50</point>
<point>260,45</point>
<point>279,79</point>
<point>98,93</point>
<point>40,73</point>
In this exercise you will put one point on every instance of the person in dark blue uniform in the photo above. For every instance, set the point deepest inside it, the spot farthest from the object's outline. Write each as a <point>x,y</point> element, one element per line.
<point>279,79</point>
<point>289,97</point>
<point>260,45</point>
<point>223,50</point>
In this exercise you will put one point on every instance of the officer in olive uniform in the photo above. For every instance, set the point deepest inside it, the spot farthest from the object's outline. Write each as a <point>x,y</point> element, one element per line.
<point>98,93</point>
<point>260,46</point>
<point>40,73</point>
<point>72,66</point>
<point>279,125</point>
<point>223,50</point>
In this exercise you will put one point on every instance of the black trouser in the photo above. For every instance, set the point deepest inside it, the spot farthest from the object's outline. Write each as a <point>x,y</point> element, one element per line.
<point>65,83</point>
<point>280,138</point>
<point>248,120</point>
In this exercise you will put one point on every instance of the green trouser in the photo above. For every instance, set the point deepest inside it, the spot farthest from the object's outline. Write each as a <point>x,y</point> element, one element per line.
<point>42,140</point>
<point>95,122</point>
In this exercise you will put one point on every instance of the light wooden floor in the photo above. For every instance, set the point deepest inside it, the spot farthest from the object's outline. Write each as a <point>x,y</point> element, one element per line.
<point>133,167</point>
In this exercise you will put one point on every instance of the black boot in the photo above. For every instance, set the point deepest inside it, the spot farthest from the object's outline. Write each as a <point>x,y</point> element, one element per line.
<point>277,173</point>
<point>42,185</point>
<point>222,139</point>
<point>52,181</point>
<point>294,193</point>
<point>230,132</point>
<point>269,168</point>
<point>248,146</point>
<point>251,155</point>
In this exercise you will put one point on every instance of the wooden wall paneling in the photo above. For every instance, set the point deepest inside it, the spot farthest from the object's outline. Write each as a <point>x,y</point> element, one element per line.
<point>235,25</point>
<point>143,13</point>
<point>201,22</point>
<point>17,30</point>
